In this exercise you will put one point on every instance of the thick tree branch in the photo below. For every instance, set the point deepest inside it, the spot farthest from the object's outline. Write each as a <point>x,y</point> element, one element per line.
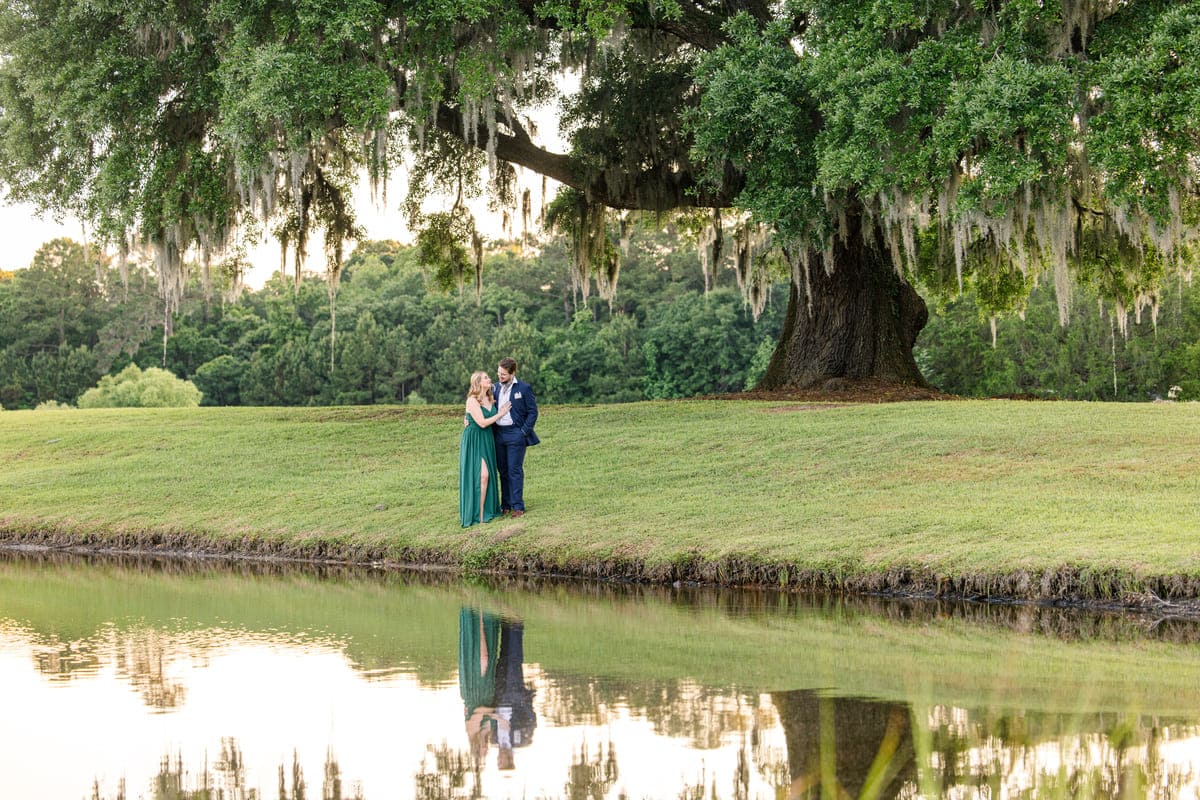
<point>517,147</point>
<point>649,190</point>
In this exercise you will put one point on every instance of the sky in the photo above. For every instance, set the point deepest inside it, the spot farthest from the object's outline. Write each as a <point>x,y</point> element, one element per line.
<point>24,231</point>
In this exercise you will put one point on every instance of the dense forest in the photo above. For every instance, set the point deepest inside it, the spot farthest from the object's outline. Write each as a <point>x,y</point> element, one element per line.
<point>67,320</point>
<point>1092,357</point>
<point>71,318</point>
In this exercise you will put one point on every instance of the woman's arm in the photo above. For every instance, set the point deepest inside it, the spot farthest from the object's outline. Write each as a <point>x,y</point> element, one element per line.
<point>476,413</point>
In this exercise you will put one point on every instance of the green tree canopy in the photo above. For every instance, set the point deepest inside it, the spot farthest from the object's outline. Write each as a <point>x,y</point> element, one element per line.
<point>854,146</point>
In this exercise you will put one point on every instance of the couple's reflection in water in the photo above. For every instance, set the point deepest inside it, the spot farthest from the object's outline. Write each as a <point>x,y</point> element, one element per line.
<point>497,702</point>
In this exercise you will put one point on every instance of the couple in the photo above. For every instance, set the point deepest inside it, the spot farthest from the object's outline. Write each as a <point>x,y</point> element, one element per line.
<point>485,456</point>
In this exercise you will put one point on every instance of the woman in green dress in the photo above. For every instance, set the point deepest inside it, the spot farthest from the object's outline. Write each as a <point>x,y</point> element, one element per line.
<point>478,495</point>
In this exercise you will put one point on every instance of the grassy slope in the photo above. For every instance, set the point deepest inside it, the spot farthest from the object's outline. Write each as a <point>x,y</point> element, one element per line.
<point>954,488</point>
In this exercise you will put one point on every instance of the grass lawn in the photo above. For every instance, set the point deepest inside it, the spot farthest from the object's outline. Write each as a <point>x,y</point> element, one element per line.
<point>730,491</point>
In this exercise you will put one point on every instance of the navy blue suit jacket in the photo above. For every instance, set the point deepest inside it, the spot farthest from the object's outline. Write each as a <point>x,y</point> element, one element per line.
<point>524,410</point>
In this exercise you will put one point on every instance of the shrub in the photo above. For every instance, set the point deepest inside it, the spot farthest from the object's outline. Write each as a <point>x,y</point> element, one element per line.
<point>54,405</point>
<point>135,388</point>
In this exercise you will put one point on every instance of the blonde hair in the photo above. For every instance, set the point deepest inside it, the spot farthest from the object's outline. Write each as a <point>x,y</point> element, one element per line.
<point>477,391</point>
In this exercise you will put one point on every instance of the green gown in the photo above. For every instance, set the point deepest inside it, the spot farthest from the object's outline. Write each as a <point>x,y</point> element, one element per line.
<point>477,688</point>
<point>477,445</point>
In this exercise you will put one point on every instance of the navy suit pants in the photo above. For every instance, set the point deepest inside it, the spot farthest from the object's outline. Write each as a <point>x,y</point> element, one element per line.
<point>510,460</point>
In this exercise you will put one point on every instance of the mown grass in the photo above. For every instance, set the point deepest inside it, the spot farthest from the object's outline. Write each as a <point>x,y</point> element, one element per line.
<point>959,488</point>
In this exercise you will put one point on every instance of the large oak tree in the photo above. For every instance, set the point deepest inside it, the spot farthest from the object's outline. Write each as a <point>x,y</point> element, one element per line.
<point>856,145</point>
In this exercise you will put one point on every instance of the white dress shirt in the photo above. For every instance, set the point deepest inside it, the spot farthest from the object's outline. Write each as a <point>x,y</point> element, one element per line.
<point>505,392</point>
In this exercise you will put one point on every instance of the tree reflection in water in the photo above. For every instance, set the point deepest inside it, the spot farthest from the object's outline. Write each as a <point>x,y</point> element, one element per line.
<point>703,716</point>
<point>140,654</point>
<point>590,777</point>
<point>448,774</point>
<point>226,780</point>
<point>848,748</point>
<point>836,749</point>
<point>61,662</point>
<point>845,747</point>
<point>800,744</point>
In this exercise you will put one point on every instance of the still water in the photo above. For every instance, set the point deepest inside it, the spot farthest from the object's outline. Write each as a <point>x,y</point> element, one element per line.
<point>127,678</point>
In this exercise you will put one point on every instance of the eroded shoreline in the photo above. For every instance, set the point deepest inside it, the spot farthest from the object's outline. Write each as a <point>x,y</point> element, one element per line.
<point>1161,596</point>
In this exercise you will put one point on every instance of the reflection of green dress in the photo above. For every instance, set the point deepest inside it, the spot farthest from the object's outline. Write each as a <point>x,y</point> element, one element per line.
<point>477,445</point>
<point>477,688</point>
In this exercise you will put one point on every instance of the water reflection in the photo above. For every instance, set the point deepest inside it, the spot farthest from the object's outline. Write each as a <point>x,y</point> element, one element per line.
<point>61,661</point>
<point>447,773</point>
<point>497,702</point>
<point>834,749</point>
<point>855,748</point>
<point>141,655</point>
<point>845,746</point>
<point>225,779</point>
<point>591,775</point>
<point>277,682</point>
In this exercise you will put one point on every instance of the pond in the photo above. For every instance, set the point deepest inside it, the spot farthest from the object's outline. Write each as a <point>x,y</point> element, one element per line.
<point>158,678</point>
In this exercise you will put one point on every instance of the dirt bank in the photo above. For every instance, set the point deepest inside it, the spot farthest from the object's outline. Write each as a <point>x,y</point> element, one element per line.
<point>1067,586</point>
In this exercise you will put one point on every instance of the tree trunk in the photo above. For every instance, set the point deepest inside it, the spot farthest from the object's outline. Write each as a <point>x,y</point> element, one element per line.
<point>332,329</point>
<point>863,322</point>
<point>166,332</point>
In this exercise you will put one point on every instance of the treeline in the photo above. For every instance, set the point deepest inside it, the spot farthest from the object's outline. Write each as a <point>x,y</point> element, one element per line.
<point>1090,358</point>
<point>69,319</point>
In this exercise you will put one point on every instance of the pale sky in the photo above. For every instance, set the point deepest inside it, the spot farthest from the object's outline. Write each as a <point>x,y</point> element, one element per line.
<point>25,231</point>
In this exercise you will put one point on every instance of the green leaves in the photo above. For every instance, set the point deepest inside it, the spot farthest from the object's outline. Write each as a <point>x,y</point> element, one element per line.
<point>1012,124</point>
<point>758,115</point>
<point>1144,130</point>
<point>1006,131</point>
<point>595,18</point>
<point>133,387</point>
<point>1012,134</point>
<point>442,247</point>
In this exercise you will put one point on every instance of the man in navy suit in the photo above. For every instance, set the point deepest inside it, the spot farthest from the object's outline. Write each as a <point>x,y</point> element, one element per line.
<point>514,433</point>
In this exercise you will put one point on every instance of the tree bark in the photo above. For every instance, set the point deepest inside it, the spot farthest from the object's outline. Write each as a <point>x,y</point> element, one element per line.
<point>859,322</point>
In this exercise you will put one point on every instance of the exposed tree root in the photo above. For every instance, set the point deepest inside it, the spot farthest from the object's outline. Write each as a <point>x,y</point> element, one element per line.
<point>845,390</point>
